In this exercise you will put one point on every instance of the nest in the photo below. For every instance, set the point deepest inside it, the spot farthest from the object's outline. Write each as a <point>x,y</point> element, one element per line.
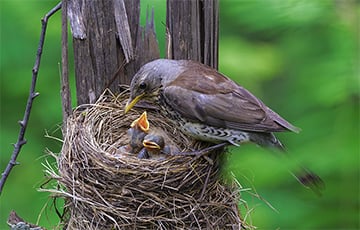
<point>105,191</point>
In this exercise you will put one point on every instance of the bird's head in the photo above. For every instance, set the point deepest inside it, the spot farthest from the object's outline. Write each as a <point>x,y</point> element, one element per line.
<point>148,82</point>
<point>153,142</point>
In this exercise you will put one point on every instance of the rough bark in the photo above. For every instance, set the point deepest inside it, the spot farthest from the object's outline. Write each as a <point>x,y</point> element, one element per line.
<point>193,30</point>
<point>107,39</point>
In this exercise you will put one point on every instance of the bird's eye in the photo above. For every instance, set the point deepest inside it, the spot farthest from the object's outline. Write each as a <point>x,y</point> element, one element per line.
<point>142,85</point>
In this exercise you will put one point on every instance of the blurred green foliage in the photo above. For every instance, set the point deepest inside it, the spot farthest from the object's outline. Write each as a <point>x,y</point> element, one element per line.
<point>301,57</point>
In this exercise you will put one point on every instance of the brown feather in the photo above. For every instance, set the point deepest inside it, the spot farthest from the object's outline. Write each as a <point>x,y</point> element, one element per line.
<point>218,101</point>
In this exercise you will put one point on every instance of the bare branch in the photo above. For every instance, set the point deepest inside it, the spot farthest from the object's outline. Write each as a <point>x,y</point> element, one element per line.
<point>16,222</point>
<point>32,94</point>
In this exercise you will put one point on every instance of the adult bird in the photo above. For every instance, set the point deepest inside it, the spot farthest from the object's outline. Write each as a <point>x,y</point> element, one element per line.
<point>209,106</point>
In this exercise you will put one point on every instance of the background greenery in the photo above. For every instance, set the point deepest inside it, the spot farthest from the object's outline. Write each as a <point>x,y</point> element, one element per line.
<point>300,57</point>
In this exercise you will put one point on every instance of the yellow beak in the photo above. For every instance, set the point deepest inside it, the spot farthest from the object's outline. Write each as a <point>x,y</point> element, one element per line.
<point>150,145</point>
<point>131,104</point>
<point>142,123</point>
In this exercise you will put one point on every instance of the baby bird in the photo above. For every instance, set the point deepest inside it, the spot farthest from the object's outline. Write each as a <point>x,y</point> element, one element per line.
<point>153,146</point>
<point>139,128</point>
<point>156,148</point>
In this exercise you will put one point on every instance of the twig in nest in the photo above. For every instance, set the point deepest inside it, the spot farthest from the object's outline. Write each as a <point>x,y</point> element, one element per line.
<point>32,94</point>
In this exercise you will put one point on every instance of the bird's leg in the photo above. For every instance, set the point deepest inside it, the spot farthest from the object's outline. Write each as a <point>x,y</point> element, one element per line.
<point>202,151</point>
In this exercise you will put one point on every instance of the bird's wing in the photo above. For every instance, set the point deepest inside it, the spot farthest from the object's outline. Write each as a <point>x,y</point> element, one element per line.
<point>218,101</point>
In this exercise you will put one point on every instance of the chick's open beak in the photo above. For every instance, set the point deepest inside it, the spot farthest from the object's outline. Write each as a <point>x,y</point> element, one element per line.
<point>132,102</point>
<point>150,145</point>
<point>142,123</point>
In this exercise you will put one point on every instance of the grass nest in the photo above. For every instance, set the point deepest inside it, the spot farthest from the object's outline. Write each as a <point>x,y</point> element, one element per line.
<point>105,191</point>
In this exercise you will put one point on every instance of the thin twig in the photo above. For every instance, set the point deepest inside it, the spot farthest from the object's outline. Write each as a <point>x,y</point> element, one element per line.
<point>65,88</point>
<point>32,94</point>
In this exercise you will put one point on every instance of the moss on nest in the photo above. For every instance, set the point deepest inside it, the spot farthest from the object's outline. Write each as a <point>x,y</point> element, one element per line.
<point>105,191</point>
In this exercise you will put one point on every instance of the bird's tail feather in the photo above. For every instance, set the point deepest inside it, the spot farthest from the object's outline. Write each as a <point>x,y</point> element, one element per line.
<point>309,180</point>
<point>304,176</point>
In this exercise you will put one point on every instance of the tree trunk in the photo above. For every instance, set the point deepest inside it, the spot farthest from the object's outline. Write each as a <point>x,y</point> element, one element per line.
<point>193,30</point>
<point>106,40</point>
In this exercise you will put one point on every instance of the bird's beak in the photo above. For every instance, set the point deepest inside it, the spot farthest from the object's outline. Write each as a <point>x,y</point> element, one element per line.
<point>132,102</point>
<point>142,122</point>
<point>150,145</point>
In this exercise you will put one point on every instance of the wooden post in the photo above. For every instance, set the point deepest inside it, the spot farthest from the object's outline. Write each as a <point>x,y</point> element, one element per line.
<point>193,30</point>
<point>107,38</point>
